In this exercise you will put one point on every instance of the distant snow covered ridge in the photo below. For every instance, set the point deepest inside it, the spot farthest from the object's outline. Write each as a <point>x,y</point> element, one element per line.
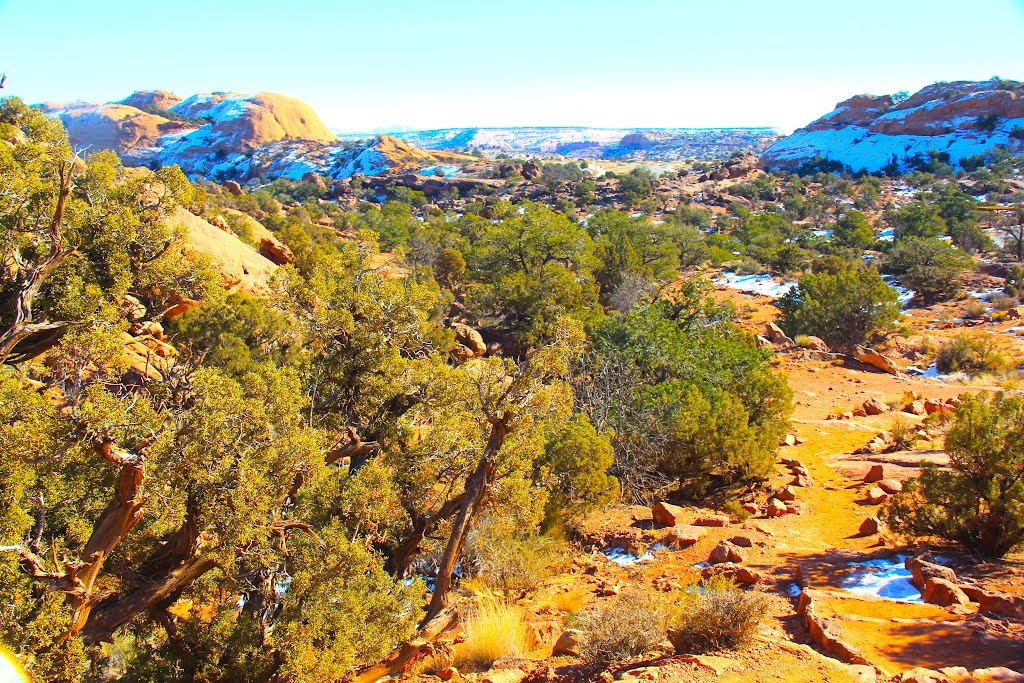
<point>868,133</point>
<point>235,136</point>
<point>656,144</point>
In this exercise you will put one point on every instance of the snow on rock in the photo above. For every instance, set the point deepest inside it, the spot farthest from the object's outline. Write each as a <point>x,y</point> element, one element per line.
<point>866,133</point>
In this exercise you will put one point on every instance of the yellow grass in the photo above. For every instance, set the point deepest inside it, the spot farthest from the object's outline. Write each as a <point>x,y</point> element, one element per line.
<point>492,629</point>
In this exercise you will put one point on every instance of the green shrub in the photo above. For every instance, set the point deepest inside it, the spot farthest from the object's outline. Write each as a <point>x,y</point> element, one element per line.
<point>842,308</point>
<point>735,511</point>
<point>627,627</point>
<point>978,502</point>
<point>714,615</point>
<point>930,267</point>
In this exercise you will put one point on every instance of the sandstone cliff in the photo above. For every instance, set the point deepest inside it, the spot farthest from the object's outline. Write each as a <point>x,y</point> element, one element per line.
<point>870,133</point>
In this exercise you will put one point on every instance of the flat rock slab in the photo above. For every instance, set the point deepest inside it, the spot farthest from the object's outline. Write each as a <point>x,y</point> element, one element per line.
<point>899,465</point>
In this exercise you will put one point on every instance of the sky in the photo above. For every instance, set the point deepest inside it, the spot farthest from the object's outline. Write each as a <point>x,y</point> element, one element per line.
<point>420,64</point>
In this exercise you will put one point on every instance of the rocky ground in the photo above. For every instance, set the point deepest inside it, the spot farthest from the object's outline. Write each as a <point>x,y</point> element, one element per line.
<point>817,516</point>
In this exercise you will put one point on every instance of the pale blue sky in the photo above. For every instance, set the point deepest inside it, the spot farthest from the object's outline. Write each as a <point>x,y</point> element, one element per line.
<point>443,63</point>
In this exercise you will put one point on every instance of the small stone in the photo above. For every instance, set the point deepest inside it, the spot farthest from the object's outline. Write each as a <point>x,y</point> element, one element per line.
<point>742,541</point>
<point>873,406</point>
<point>787,494</point>
<point>876,495</point>
<point>790,440</point>
<point>775,508</point>
<point>683,535</point>
<point>738,573</point>
<point>711,520</point>
<point>448,673</point>
<point>890,486</point>
<point>874,474</point>
<point>726,552</point>
<point>915,408</point>
<point>871,526</point>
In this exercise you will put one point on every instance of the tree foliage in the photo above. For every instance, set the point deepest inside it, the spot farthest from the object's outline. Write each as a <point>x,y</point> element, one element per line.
<point>978,502</point>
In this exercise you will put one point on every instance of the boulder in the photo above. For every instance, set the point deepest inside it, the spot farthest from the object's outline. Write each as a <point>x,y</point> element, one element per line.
<point>567,644</point>
<point>726,552</point>
<point>874,474</point>
<point>761,341</point>
<point>776,336</point>
<point>943,593</point>
<point>934,406</point>
<point>815,344</point>
<point>871,526</point>
<point>789,440</point>
<point>921,570</point>
<point>920,675</point>
<point>803,481</point>
<point>683,536</point>
<point>742,541</point>
<point>875,360</point>
<point>875,495</point>
<point>891,486</point>
<point>738,573</point>
<point>750,508</point>
<point>873,406</point>
<point>711,520</point>
<point>1001,604</point>
<point>470,338</point>
<point>233,187</point>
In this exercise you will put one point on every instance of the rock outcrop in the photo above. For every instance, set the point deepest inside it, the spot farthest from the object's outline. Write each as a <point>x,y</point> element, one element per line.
<point>868,133</point>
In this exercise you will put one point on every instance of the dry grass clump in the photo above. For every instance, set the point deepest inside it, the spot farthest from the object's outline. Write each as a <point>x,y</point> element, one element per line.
<point>715,615</point>
<point>974,310</point>
<point>567,601</point>
<point>970,355</point>
<point>629,626</point>
<point>510,564</point>
<point>492,629</point>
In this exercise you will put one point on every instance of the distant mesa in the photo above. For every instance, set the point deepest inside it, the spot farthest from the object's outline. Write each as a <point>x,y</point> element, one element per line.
<point>628,144</point>
<point>950,121</point>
